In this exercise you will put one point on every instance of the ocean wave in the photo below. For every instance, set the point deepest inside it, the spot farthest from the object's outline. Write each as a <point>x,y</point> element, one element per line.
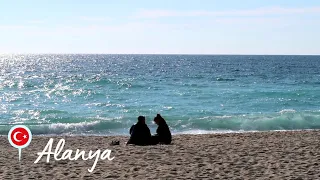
<point>86,127</point>
<point>287,119</point>
<point>225,79</point>
<point>287,111</point>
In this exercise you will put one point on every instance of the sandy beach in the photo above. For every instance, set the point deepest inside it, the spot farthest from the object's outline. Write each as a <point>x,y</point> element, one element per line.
<point>261,155</point>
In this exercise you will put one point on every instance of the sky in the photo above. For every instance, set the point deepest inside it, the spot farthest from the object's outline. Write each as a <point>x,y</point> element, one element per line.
<point>160,27</point>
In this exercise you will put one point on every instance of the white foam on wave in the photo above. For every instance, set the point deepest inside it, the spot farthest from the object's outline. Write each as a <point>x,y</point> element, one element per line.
<point>287,111</point>
<point>73,125</point>
<point>198,131</point>
<point>217,117</point>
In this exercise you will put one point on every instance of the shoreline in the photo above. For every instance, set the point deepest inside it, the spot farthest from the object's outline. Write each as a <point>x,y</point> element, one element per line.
<point>173,134</point>
<point>256,155</point>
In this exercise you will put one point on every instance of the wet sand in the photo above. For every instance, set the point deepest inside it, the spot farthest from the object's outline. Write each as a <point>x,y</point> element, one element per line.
<point>261,155</point>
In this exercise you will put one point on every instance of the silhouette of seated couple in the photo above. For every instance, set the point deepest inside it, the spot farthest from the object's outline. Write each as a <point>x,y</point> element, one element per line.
<point>140,132</point>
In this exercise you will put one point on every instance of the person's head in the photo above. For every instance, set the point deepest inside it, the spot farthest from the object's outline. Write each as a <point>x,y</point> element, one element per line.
<point>142,119</point>
<point>158,119</point>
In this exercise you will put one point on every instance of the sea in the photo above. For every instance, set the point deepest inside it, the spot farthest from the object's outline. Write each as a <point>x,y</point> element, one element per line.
<point>88,94</point>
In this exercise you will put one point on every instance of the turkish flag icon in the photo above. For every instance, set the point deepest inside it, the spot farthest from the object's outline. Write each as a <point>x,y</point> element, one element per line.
<point>20,136</point>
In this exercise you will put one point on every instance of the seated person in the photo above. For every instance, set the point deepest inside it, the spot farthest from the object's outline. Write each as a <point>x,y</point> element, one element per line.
<point>163,135</point>
<point>140,133</point>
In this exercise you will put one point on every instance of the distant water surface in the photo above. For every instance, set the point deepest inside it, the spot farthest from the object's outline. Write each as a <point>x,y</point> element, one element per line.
<point>104,94</point>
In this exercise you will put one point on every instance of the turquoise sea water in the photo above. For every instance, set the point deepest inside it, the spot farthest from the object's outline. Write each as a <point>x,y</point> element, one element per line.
<point>104,94</point>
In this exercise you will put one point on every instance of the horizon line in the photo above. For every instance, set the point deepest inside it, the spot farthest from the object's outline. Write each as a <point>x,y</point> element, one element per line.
<point>191,54</point>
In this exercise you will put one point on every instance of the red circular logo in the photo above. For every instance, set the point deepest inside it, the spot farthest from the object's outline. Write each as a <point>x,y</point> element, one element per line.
<point>19,136</point>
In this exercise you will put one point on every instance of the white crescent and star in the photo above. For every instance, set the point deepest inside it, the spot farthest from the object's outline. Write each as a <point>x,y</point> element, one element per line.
<point>15,136</point>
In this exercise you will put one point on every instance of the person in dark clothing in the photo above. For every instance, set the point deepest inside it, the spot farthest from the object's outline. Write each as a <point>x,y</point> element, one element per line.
<point>140,133</point>
<point>163,135</point>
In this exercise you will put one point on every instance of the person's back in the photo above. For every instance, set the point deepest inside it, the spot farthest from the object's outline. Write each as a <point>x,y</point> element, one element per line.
<point>140,133</point>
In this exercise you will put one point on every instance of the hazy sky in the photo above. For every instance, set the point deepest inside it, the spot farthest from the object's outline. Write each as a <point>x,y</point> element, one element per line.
<point>163,26</point>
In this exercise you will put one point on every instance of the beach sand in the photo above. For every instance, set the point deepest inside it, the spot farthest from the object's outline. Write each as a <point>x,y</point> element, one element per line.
<point>261,155</point>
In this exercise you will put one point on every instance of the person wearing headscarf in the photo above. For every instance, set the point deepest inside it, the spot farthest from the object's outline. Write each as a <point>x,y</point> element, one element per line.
<point>163,135</point>
<point>140,133</point>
